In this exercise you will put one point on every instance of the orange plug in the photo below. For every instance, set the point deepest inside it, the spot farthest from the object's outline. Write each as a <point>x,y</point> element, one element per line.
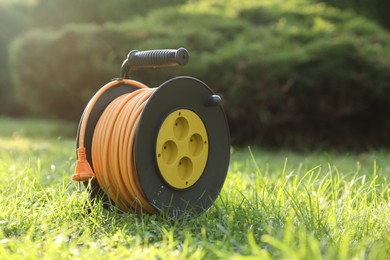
<point>83,171</point>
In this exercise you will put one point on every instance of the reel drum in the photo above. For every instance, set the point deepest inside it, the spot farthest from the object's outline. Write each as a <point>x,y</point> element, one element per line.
<point>181,146</point>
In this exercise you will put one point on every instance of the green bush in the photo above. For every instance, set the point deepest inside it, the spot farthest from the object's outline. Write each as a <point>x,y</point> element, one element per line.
<point>376,10</point>
<point>19,16</point>
<point>295,74</point>
<point>13,20</point>
<point>309,74</point>
<point>55,13</point>
<point>56,72</point>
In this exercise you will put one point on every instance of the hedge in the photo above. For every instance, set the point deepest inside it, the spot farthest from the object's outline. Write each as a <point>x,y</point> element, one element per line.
<point>298,74</point>
<point>69,65</point>
<point>377,10</point>
<point>55,13</point>
<point>21,16</point>
<point>13,21</point>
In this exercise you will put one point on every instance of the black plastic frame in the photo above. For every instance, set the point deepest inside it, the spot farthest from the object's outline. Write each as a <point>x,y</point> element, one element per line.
<point>177,93</point>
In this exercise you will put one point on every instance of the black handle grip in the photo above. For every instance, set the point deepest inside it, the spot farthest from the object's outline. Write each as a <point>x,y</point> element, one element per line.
<point>157,58</point>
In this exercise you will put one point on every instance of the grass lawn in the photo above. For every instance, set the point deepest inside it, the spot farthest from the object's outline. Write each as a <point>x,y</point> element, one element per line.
<point>274,204</point>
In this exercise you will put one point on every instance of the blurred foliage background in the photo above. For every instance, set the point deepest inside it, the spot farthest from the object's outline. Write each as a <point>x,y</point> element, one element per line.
<point>296,73</point>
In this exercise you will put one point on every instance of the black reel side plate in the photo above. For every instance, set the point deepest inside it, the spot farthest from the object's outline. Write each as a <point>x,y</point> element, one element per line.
<point>182,93</point>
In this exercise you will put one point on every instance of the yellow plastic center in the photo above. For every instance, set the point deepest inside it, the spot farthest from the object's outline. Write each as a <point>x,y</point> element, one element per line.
<point>182,148</point>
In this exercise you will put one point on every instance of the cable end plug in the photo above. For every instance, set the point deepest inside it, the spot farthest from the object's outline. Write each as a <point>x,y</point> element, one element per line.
<point>83,171</point>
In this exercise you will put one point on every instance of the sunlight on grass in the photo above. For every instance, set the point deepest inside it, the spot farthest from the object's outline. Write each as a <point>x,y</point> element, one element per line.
<point>10,127</point>
<point>276,204</point>
<point>314,209</point>
<point>14,144</point>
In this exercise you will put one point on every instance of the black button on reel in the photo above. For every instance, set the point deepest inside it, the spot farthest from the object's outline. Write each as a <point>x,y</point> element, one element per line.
<point>175,141</point>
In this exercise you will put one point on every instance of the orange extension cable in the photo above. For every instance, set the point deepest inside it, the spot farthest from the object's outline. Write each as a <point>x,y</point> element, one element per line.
<point>112,147</point>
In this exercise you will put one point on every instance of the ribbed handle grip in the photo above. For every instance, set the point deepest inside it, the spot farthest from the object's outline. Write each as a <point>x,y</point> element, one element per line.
<point>157,58</point>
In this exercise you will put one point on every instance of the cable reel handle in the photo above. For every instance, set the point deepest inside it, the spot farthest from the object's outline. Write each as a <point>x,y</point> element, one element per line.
<point>154,58</point>
<point>157,58</point>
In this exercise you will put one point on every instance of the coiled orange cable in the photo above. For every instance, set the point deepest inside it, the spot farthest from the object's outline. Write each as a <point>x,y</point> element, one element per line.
<point>112,147</point>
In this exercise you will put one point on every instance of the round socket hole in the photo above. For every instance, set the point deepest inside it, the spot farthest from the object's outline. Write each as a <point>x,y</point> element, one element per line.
<point>168,152</point>
<point>180,128</point>
<point>185,168</point>
<point>196,144</point>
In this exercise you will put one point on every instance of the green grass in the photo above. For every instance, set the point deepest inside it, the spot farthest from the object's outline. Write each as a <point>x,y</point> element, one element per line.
<point>273,205</point>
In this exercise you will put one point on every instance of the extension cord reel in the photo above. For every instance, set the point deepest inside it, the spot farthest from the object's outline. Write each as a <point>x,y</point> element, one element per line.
<point>163,150</point>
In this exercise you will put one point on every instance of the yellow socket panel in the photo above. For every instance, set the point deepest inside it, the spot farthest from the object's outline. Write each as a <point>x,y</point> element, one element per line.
<point>182,148</point>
